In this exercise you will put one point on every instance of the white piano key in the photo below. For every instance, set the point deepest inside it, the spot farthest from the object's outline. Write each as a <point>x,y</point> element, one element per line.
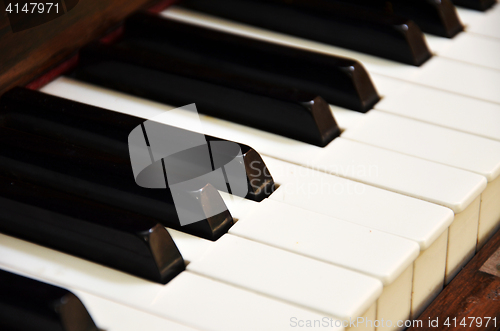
<point>389,307</point>
<point>290,228</point>
<point>190,247</point>
<point>111,316</point>
<point>386,211</point>
<point>455,112</point>
<point>408,175</point>
<point>372,252</point>
<point>449,147</point>
<point>429,142</point>
<point>440,73</point>
<point>436,43</point>
<point>359,203</point>
<point>289,277</point>
<point>442,108</point>
<point>342,243</point>
<point>458,77</point>
<point>258,267</point>
<point>238,206</point>
<point>453,188</point>
<point>467,16</point>
<point>401,173</point>
<point>489,213</point>
<point>482,23</point>
<point>345,118</point>
<point>468,47</point>
<point>231,308</point>
<point>188,299</point>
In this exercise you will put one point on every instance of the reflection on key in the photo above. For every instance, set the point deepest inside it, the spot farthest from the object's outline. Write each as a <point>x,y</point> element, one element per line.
<point>106,179</point>
<point>342,25</point>
<point>435,17</point>
<point>27,304</point>
<point>293,114</point>
<point>115,238</point>
<point>108,132</point>
<point>271,67</point>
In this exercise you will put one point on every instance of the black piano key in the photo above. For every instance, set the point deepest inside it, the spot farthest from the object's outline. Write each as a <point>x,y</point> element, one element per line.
<point>28,305</point>
<point>481,5</point>
<point>107,179</point>
<point>107,131</point>
<point>435,17</point>
<point>110,236</point>
<point>296,115</point>
<point>221,57</point>
<point>380,34</point>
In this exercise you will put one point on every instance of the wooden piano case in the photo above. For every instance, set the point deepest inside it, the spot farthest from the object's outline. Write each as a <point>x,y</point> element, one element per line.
<point>27,54</point>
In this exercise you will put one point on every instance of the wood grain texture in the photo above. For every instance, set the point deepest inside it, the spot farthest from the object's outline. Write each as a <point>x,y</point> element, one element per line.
<point>27,54</point>
<point>472,293</point>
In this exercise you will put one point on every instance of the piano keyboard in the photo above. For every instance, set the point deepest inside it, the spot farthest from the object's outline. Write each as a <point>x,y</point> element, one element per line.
<point>369,227</point>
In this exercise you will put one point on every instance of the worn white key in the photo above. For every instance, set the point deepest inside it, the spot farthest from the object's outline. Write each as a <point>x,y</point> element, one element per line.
<point>306,282</point>
<point>440,73</point>
<point>358,248</point>
<point>454,188</point>
<point>289,277</point>
<point>328,239</point>
<point>386,211</point>
<point>188,299</point>
<point>240,262</point>
<point>342,243</point>
<point>231,306</point>
<point>433,106</point>
<point>360,204</point>
<point>445,146</point>
<point>362,249</point>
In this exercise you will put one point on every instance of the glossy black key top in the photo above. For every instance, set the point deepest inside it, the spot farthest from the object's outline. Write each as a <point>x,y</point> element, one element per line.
<point>221,58</point>
<point>108,132</point>
<point>383,35</point>
<point>435,17</point>
<point>296,115</point>
<point>481,5</point>
<point>110,236</point>
<point>28,305</point>
<point>109,180</point>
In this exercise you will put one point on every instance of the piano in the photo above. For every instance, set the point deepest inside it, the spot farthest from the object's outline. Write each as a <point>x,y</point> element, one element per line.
<point>372,130</point>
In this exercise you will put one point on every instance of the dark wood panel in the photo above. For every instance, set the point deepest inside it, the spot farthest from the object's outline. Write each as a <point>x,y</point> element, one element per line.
<point>471,294</point>
<point>26,54</point>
